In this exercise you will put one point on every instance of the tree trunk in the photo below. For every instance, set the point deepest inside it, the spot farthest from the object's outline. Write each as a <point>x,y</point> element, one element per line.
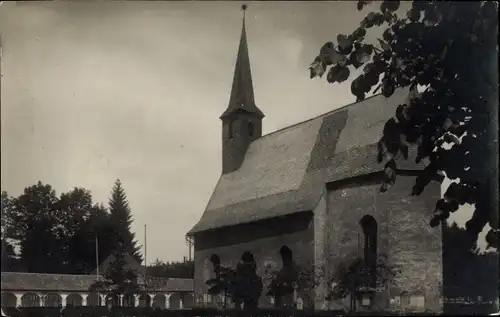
<point>277,302</point>
<point>352,298</point>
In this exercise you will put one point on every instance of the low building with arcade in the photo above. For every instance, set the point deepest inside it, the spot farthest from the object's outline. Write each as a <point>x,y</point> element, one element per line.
<point>21,289</point>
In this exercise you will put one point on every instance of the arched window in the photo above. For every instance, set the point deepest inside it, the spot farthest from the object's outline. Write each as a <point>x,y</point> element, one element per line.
<point>250,128</point>
<point>369,225</point>
<point>247,257</point>
<point>215,260</point>
<point>286,256</point>
<point>248,262</point>
<point>231,128</point>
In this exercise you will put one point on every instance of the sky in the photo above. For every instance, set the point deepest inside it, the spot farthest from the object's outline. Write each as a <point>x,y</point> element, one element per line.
<point>99,90</point>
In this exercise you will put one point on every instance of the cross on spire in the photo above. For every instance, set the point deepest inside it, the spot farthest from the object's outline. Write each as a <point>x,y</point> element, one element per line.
<point>242,97</point>
<point>244,9</point>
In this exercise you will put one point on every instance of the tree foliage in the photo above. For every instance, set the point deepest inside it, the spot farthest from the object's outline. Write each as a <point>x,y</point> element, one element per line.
<point>44,233</point>
<point>83,222</point>
<point>242,284</point>
<point>119,278</point>
<point>450,48</point>
<point>36,225</point>
<point>121,220</point>
<point>223,284</point>
<point>290,279</point>
<point>352,277</point>
<point>9,259</point>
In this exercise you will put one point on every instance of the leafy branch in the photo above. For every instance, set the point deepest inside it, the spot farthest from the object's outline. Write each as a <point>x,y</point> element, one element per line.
<point>292,278</point>
<point>447,48</point>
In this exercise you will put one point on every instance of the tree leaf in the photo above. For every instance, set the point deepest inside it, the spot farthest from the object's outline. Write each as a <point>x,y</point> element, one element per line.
<point>449,137</point>
<point>384,45</point>
<point>492,238</point>
<point>389,175</point>
<point>372,78</point>
<point>413,15</point>
<point>362,3</point>
<point>344,42</point>
<point>388,35</point>
<point>359,33</point>
<point>431,16</point>
<point>404,146</point>
<point>423,179</point>
<point>329,55</point>
<point>373,18</point>
<point>389,5</point>
<point>402,113</point>
<point>343,74</point>
<point>388,87</point>
<point>362,57</point>
<point>338,74</point>
<point>357,90</point>
<point>317,68</point>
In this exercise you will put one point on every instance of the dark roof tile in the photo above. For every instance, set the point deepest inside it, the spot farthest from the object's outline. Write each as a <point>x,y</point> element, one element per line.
<point>17,281</point>
<point>46,282</point>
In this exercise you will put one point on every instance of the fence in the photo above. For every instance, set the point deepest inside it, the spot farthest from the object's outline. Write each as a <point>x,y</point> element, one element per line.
<point>149,312</point>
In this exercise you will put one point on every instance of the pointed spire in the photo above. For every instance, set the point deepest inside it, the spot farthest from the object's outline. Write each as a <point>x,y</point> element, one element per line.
<point>242,97</point>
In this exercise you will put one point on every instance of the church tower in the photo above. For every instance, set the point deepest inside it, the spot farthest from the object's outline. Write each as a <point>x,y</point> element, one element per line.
<point>242,120</point>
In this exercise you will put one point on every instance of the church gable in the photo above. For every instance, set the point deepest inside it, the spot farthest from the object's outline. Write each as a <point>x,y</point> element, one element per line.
<point>131,264</point>
<point>285,171</point>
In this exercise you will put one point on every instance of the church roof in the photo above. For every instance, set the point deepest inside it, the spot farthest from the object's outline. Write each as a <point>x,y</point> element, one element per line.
<point>242,96</point>
<point>284,172</point>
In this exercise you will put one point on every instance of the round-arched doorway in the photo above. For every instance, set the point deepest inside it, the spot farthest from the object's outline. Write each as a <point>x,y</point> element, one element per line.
<point>52,300</point>
<point>30,300</point>
<point>74,300</point>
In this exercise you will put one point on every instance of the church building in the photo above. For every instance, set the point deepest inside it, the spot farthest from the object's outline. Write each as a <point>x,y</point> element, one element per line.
<point>310,193</point>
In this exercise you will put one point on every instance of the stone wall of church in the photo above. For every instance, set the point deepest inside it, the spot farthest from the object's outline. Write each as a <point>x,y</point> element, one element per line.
<point>403,237</point>
<point>263,239</point>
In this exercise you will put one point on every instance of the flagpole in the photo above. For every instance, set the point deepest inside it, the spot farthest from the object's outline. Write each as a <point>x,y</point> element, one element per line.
<point>145,259</point>
<point>97,256</point>
<point>97,267</point>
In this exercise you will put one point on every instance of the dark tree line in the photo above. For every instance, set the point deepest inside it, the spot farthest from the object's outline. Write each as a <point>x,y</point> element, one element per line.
<point>174,269</point>
<point>46,233</point>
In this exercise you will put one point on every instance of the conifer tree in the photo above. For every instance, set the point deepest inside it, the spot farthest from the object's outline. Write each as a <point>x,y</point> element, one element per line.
<point>121,221</point>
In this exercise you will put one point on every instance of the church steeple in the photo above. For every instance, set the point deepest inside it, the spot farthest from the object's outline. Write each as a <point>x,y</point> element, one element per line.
<point>242,120</point>
<point>242,96</point>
